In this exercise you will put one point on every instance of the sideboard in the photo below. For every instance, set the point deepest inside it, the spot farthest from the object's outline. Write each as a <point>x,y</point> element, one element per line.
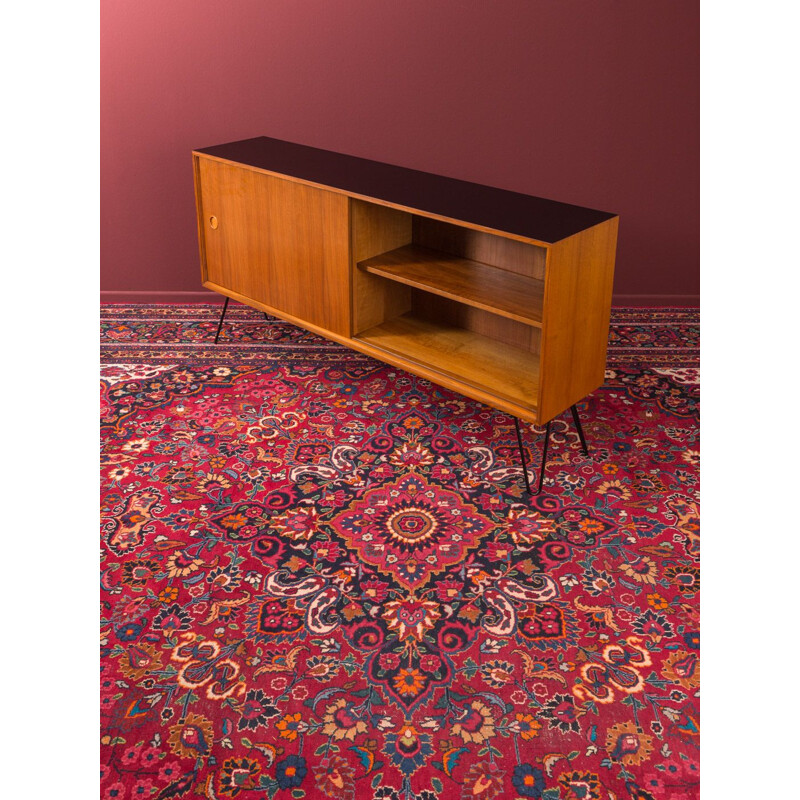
<point>501,296</point>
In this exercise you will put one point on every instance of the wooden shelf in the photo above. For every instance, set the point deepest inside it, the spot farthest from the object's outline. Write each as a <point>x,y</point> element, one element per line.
<point>490,288</point>
<point>460,355</point>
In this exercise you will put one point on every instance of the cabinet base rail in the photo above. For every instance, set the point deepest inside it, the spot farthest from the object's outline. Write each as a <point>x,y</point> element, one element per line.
<point>585,449</point>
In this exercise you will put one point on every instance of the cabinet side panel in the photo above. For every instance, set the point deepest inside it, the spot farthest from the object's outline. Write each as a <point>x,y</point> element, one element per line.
<point>198,201</point>
<point>577,309</point>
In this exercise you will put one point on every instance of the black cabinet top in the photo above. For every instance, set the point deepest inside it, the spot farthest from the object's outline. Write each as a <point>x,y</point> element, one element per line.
<point>520,214</point>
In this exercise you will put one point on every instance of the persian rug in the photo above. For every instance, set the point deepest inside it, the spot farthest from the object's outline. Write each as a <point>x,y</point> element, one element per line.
<point>321,576</point>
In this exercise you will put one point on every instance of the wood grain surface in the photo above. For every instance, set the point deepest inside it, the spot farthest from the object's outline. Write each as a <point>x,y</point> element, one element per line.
<point>277,242</point>
<point>462,279</point>
<point>456,353</point>
<point>577,309</point>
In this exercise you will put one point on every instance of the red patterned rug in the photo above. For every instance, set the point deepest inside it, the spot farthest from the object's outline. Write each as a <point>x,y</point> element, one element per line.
<point>321,576</point>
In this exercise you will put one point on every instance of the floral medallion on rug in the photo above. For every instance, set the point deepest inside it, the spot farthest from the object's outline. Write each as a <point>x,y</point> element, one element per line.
<point>322,578</point>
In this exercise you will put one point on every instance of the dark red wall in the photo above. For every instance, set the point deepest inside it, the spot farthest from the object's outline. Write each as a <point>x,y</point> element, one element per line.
<point>589,103</point>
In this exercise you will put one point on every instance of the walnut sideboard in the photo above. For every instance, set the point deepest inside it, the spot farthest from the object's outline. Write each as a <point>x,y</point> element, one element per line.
<point>501,296</point>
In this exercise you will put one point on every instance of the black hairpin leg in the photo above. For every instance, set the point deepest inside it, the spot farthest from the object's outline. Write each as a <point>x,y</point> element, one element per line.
<point>544,456</point>
<point>574,410</point>
<point>544,448</point>
<point>522,457</point>
<point>524,462</point>
<point>266,316</point>
<point>219,327</point>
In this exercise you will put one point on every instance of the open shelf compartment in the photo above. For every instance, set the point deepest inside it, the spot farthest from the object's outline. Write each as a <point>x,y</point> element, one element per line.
<point>471,282</point>
<point>450,302</point>
<point>463,355</point>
